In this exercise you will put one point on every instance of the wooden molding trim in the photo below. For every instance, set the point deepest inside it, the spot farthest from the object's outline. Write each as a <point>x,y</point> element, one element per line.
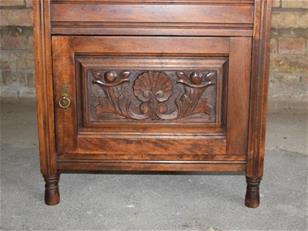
<point>259,88</point>
<point>44,89</point>
<point>229,2</point>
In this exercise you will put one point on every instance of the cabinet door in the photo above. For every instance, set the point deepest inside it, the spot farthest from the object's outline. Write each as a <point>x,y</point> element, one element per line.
<point>151,98</point>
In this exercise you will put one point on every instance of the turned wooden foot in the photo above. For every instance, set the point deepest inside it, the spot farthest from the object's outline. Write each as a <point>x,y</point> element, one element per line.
<point>252,199</point>
<point>52,196</point>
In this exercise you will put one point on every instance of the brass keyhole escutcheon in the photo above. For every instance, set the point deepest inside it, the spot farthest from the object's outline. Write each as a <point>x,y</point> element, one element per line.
<point>64,101</point>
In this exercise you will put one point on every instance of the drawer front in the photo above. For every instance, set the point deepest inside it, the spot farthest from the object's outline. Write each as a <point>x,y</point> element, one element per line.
<point>151,98</point>
<point>161,17</point>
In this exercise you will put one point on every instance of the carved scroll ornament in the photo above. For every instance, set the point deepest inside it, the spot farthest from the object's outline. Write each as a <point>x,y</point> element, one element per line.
<point>152,95</point>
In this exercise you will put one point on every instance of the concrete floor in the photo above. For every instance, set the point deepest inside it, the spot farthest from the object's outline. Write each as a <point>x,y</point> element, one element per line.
<point>152,202</point>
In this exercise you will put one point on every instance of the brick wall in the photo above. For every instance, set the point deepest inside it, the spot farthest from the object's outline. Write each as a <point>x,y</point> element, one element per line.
<point>289,63</point>
<point>16,54</point>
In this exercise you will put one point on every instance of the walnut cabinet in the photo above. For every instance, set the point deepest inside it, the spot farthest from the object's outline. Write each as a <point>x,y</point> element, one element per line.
<point>166,85</point>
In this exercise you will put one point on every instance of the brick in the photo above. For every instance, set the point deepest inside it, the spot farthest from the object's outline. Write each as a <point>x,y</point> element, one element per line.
<point>24,60</point>
<point>15,17</point>
<point>16,78</point>
<point>13,91</point>
<point>276,3</point>
<point>12,2</point>
<point>284,86</point>
<point>290,19</point>
<point>26,92</point>
<point>4,63</point>
<point>300,4</point>
<point>30,79</point>
<point>274,45</point>
<point>13,60</point>
<point>292,45</point>
<point>289,63</point>
<point>289,32</point>
<point>28,3</point>
<point>16,38</point>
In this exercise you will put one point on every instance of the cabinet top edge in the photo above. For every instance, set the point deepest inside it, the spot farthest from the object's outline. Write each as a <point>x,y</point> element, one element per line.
<point>155,1</point>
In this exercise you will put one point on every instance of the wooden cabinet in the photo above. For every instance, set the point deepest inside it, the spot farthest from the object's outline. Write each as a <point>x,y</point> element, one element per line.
<point>161,85</point>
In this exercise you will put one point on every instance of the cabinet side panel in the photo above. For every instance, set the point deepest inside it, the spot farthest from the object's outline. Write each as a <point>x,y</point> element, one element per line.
<point>259,88</point>
<point>44,93</point>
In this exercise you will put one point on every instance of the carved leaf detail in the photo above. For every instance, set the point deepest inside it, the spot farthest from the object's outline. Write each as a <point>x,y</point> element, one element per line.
<point>115,101</point>
<point>194,87</point>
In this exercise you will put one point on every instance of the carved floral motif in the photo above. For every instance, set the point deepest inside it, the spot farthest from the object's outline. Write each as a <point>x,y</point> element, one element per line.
<point>152,94</point>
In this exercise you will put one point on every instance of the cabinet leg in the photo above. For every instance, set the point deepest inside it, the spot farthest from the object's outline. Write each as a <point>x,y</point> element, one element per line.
<point>252,199</point>
<point>52,196</point>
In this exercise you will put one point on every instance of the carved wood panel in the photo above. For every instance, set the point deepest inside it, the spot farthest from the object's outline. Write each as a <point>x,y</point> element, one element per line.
<point>152,94</point>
